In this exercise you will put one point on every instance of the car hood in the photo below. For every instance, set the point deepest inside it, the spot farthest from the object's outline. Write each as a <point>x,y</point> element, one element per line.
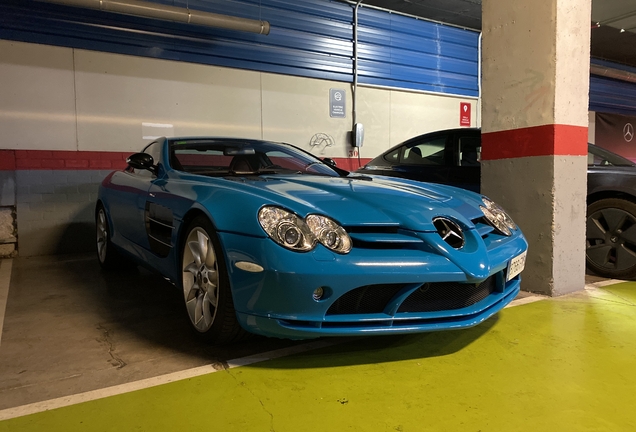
<point>368,200</point>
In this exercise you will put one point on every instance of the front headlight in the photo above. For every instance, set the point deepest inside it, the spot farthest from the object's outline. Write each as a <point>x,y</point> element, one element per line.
<point>329,233</point>
<point>294,233</point>
<point>286,229</point>
<point>497,216</point>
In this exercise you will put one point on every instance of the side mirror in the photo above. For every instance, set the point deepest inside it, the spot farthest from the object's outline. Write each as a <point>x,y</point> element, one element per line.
<point>141,161</point>
<point>330,162</point>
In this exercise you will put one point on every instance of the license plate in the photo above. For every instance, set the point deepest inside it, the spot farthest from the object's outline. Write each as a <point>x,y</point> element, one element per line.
<point>516,265</point>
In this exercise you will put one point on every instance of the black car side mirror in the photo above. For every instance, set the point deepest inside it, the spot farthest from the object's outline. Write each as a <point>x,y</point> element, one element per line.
<point>329,162</point>
<point>142,161</point>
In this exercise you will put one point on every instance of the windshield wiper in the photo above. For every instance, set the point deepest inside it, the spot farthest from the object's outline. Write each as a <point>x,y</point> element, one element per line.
<point>314,163</point>
<point>264,171</point>
<point>360,177</point>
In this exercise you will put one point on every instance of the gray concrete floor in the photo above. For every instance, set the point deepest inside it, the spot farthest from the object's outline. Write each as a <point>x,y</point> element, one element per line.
<point>70,328</point>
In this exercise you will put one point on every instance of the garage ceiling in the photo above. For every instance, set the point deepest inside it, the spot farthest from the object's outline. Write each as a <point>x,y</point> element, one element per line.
<point>613,40</point>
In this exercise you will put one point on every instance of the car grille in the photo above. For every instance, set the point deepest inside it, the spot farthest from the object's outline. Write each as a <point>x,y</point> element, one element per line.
<point>394,237</point>
<point>429,297</point>
<point>484,228</point>
<point>432,297</point>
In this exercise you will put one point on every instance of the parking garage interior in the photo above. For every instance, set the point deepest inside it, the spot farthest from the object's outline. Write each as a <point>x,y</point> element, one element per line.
<point>83,88</point>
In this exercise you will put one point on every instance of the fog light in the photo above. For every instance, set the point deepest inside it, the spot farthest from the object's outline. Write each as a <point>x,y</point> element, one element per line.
<point>318,293</point>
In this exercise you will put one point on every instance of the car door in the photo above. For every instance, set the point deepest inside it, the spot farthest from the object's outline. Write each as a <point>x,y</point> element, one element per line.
<point>128,206</point>
<point>465,171</point>
<point>424,158</point>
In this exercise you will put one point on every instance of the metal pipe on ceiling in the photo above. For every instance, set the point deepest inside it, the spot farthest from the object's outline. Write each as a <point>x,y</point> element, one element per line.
<point>171,13</point>
<point>355,57</point>
<point>613,73</point>
<point>479,65</point>
<point>355,73</point>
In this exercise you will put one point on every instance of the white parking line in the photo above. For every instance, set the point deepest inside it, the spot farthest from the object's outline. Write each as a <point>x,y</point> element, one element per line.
<point>526,300</point>
<point>5,278</point>
<point>603,283</point>
<point>64,401</point>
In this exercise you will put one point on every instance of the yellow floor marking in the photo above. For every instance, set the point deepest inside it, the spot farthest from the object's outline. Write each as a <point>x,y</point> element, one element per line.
<point>64,401</point>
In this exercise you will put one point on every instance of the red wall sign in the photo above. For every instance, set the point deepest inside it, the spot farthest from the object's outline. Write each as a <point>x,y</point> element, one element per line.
<point>464,114</point>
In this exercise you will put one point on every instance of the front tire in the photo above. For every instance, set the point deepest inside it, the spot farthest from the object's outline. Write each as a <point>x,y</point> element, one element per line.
<point>108,257</point>
<point>611,238</point>
<point>205,285</point>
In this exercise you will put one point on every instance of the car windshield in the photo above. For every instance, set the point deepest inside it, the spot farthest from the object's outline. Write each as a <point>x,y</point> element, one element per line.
<point>598,156</point>
<point>235,157</point>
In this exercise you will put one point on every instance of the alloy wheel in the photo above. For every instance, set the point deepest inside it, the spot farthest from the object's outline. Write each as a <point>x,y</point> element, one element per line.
<point>611,239</point>
<point>200,270</point>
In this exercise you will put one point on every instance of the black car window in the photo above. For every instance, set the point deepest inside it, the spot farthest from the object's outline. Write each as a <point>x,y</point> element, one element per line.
<point>599,156</point>
<point>429,152</point>
<point>469,151</point>
<point>394,156</point>
<point>219,157</point>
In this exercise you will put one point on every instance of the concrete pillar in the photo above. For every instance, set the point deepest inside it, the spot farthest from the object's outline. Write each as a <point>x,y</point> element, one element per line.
<point>536,57</point>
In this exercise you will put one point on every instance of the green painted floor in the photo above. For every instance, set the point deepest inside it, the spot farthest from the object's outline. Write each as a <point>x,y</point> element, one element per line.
<point>564,364</point>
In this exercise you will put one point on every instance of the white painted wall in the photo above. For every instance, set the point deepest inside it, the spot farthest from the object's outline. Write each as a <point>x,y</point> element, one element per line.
<point>71,99</point>
<point>393,116</point>
<point>117,95</point>
<point>37,97</point>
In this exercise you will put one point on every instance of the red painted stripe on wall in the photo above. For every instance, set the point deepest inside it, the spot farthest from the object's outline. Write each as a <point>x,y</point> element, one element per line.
<point>86,160</point>
<point>61,160</point>
<point>351,164</point>
<point>548,140</point>
<point>7,160</point>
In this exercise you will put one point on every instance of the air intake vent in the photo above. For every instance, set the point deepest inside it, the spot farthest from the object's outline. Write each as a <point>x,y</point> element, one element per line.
<point>439,296</point>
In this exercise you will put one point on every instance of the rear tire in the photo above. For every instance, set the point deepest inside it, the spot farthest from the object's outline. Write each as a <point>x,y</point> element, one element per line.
<point>205,285</point>
<point>611,238</point>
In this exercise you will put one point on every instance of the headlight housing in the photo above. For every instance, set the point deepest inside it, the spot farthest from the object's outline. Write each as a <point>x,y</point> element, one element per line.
<point>498,217</point>
<point>286,229</point>
<point>295,233</point>
<point>329,233</point>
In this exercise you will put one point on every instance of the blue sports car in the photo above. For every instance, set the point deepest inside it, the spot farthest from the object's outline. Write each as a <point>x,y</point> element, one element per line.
<point>264,237</point>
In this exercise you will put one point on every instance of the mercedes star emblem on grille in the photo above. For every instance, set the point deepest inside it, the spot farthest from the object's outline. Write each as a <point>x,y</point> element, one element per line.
<point>450,232</point>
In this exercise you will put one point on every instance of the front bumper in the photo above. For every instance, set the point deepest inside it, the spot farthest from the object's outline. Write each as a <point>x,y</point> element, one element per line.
<point>278,301</point>
<point>378,324</point>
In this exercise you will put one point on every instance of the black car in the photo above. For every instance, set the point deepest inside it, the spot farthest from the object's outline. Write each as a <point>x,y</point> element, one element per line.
<point>452,157</point>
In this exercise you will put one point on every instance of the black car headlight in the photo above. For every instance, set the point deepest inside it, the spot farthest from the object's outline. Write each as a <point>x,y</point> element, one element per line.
<point>294,233</point>
<point>329,233</point>
<point>497,217</point>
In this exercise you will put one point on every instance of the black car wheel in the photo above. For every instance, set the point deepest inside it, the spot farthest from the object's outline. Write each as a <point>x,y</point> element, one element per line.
<point>205,284</point>
<point>611,238</point>
<point>107,256</point>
